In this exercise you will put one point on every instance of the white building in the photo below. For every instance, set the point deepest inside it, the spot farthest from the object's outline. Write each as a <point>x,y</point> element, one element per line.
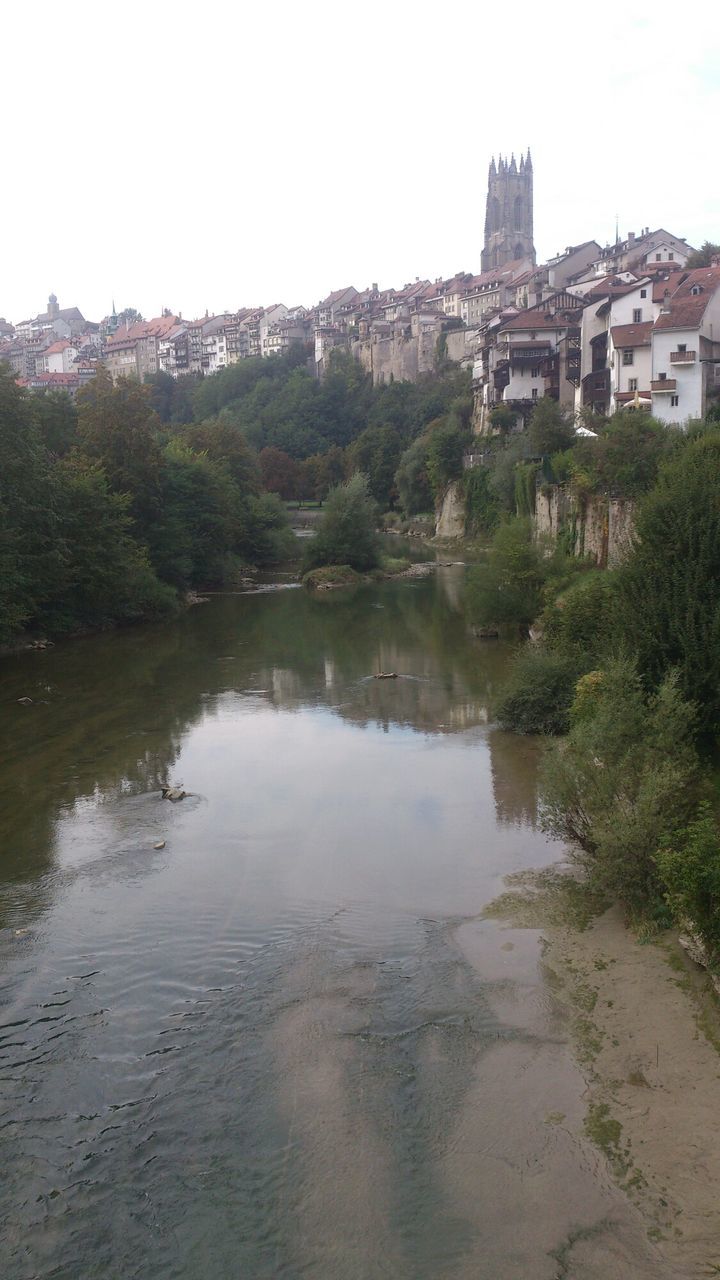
<point>685,347</point>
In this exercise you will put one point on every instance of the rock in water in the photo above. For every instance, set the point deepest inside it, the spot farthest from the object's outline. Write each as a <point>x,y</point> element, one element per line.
<point>159,844</point>
<point>172,793</point>
<point>25,702</point>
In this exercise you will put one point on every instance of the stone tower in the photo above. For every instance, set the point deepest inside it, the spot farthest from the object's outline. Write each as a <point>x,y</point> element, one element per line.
<point>509,213</point>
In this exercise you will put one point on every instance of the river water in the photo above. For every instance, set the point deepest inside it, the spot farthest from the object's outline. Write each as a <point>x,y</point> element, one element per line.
<point>287,1043</point>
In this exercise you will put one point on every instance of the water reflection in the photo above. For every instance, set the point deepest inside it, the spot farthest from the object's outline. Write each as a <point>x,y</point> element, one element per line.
<point>251,1051</point>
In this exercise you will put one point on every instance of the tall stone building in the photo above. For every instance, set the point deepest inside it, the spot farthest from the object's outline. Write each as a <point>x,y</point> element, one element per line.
<point>509,213</point>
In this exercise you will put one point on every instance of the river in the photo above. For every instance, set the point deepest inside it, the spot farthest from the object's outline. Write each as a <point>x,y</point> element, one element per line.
<point>286,1043</point>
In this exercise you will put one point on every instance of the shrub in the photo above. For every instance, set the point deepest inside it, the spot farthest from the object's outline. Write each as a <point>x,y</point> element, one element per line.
<point>507,588</point>
<point>481,506</point>
<point>690,869</point>
<point>626,777</point>
<point>579,622</point>
<point>346,533</point>
<point>538,694</point>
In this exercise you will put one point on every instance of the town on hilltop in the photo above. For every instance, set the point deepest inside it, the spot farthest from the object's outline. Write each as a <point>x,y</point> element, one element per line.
<point>626,326</point>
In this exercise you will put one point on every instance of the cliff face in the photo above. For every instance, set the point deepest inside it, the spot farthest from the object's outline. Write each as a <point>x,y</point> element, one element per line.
<point>598,526</point>
<point>450,521</point>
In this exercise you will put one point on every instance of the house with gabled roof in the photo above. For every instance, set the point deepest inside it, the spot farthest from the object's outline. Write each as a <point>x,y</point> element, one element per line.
<point>686,348</point>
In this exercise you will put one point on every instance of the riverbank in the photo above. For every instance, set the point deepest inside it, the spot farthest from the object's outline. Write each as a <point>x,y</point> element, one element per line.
<point>645,1025</point>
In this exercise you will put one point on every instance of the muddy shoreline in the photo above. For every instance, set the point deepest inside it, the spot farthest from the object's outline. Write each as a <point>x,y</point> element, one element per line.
<point>644,1024</point>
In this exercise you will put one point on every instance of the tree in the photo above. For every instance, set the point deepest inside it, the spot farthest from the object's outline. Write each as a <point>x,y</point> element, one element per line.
<point>669,590</point>
<point>129,316</point>
<point>224,443</point>
<point>376,453</point>
<point>445,449</point>
<point>551,429</point>
<point>279,473</point>
<point>412,480</point>
<point>30,552</point>
<point>56,417</point>
<point>703,257</point>
<point>506,588</point>
<point>346,534</point>
<point>118,427</point>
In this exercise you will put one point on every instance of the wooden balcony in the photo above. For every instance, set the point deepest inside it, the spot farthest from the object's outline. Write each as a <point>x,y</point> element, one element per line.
<point>663,385</point>
<point>683,357</point>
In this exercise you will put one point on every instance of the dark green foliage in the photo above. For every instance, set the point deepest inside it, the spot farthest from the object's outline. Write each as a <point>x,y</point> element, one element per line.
<point>446,445</point>
<point>625,778</point>
<point>376,453</point>
<point>482,512</point>
<point>118,428</point>
<point>56,417</point>
<point>702,257</point>
<point>669,591</point>
<point>502,418</point>
<point>624,459</point>
<point>507,588</point>
<point>172,398</point>
<point>346,534</point>
<point>538,694</point>
<point>550,429</point>
<point>689,866</point>
<point>525,479</point>
<point>581,622</point>
<point>411,479</point>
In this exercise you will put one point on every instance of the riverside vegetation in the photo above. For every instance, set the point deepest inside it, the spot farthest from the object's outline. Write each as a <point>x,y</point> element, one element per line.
<point>113,508</point>
<point>624,666</point>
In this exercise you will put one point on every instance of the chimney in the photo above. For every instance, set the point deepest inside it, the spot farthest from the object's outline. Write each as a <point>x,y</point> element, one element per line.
<point>375,288</point>
<point>631,237</point>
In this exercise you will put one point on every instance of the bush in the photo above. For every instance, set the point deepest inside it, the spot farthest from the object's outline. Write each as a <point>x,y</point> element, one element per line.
<point>508,587</point>
<point>690,869</point>
<point>538,694</point>
<point>580,621</point>
<point>669,590</point>
<point>626,778</point>
<point>346,534</point>
<point>481,506</point>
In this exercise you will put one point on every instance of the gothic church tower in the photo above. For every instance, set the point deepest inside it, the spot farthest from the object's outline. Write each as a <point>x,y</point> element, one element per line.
<point>509,213</point>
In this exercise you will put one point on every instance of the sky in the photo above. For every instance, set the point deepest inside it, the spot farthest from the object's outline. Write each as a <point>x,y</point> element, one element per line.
<point>207,157</point>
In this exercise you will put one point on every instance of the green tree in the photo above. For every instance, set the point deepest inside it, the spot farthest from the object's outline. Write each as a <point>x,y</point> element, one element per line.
<point>412,480</point>
<point>445,449</point>
<point>279,473</point>
<point>551,428</point>
<point>376,453</point>
<point>703,257</point>
<point>346,534</point>
<point>669,590</point>
<point>507,587</point>
<point>118,428</point>
<point>224,443</point>
<point>626,779</point>
<point>56,417</point>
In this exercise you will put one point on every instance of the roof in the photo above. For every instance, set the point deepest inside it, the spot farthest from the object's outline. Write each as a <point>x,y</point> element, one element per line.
<point>159,327</point>
<point>632,335</point>
<point>546,315</point>
<point>665,284</point>
<point>686,309</point>
<point>56,348</point>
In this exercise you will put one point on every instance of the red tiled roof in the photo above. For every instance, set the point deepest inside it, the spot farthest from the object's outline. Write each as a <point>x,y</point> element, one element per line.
<point>62,344</point>
<point>632,335</point>
<point>686,310</point>
<point>159,327</point>
<point>666,284</point>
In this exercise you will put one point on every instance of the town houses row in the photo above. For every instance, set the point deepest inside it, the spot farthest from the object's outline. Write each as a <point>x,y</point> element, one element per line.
<point>625,326</point>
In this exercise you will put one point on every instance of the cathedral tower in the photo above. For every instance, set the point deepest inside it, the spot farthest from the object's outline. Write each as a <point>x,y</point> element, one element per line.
<point>509,213</point>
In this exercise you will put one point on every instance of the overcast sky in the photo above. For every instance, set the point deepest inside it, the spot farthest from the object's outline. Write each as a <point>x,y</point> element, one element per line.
<point>215,155</point>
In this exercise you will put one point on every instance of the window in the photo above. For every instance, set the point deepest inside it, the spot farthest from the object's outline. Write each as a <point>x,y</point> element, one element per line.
<point>637,315</point>
<point>534,393</point>
<point>535,373</point>
<point>643,293</point>
<point>674,401</point>
<point>696,290</point>
<point>682,346</point>
<point>632,384</point>
<point>658,257</point>
<point>662,377</point>
<point>628,357</point>
<point>671,257</point>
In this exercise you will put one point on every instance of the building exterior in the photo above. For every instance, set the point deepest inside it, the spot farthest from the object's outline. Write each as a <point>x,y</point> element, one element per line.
<point>686,348</point>
<point>133,350</point>
<point>508,213</point>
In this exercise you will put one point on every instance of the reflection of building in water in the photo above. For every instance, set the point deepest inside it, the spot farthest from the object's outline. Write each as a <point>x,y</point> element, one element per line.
<point>514,765</point>
<point>451,583</point>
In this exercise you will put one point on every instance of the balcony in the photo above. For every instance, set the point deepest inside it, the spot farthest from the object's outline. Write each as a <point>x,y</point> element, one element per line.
<point>663,385</point>
<point>683,357</point>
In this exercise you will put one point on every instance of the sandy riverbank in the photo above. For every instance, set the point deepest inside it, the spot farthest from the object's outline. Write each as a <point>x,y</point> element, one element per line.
<point>646,1031</point>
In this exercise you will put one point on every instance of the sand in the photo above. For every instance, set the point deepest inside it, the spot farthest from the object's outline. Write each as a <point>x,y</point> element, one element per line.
<point>646,1032</point>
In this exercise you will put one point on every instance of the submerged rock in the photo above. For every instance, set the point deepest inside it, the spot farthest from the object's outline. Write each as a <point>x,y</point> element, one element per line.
<point>172,793</point>
<point>159,844</point>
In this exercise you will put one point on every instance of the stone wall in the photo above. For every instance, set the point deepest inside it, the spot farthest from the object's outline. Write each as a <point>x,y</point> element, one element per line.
<point>450,521</point>
<point>599,526</point>
<point>404,358</point>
